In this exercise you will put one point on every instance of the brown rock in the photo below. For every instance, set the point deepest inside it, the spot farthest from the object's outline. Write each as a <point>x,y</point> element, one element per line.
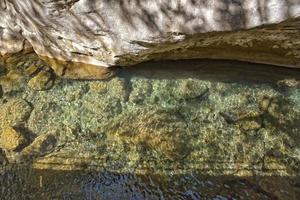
<point>77,70</point>
<point>14,112</point>
<point>42,81</point>
<point>41,145</point>
<point>288,83</point>
<point>11,139</point>
<point>32,70</point>
<point>250,124</point>
<point>11,81</point>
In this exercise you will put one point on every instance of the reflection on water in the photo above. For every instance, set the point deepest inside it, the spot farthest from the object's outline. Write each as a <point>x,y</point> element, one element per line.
<point>165,130</point>
<point>25,183</point>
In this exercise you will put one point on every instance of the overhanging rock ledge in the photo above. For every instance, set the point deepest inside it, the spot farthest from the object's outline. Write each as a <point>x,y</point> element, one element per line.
<point>83,38</point>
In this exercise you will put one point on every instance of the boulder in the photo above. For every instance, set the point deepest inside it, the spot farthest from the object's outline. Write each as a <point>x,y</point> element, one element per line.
<point>82,38</point>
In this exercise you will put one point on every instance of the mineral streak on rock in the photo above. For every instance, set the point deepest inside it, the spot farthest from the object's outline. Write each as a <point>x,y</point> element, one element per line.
<point>100,34</point>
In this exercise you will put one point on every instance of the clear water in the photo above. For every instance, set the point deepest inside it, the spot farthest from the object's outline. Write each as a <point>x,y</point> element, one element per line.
<point>160,130</point>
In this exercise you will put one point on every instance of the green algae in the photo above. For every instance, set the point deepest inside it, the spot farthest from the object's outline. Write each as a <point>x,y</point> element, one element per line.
<point>224,119</point>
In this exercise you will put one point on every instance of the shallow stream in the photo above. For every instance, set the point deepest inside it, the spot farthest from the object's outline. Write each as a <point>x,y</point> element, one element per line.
<point>194,129</point>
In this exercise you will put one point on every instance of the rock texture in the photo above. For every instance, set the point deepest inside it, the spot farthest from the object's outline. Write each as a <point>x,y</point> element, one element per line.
<point>108,33</point>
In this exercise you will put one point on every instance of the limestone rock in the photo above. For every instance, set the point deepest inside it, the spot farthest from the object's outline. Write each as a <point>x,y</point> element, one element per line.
<point>11,139</point>
<point>81,38</point>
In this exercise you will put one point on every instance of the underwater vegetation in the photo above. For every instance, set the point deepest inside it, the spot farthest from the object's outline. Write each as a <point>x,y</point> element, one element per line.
<point>180,130</point>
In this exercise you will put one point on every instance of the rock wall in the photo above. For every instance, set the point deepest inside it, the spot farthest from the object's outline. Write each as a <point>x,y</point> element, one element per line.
<point>108,33</point>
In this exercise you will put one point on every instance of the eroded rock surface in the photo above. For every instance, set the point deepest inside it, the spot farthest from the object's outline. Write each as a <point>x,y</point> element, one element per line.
<point>97,34</point>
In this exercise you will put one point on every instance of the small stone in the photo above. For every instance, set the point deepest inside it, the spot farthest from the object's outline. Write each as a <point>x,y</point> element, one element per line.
<point>250,125</point>
<point>42,81</point>
<point>288,83</point>
<point>11,139</point>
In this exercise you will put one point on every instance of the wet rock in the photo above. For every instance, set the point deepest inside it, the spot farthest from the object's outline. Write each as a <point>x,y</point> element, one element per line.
<point>118,88</point>
<point>192,90</point>
<point>42,81</point>
<point>14,112</point>
<point>32,70</point>
<point>265,103</point>
<point>141,90</point>
<point>79,70</point>
<point>288,83</point>
<point>161,131</point>
<point>275,189</point>
<point>241,113</point>
<point>250,124</point>
<point>42,145</point>
<point>11,82</point>
<point>11,139</point>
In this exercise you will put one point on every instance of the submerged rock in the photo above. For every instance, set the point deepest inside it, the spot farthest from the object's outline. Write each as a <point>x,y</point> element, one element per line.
<point>41,145</point>
<point>11,139</point>
<point>11,81</point>
<point>14,112</point>
<point>162,131</point>
<point>42,81</point>
<point>171,124</point>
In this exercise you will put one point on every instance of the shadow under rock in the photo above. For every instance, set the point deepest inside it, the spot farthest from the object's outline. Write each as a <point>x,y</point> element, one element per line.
<point>212,70</point>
